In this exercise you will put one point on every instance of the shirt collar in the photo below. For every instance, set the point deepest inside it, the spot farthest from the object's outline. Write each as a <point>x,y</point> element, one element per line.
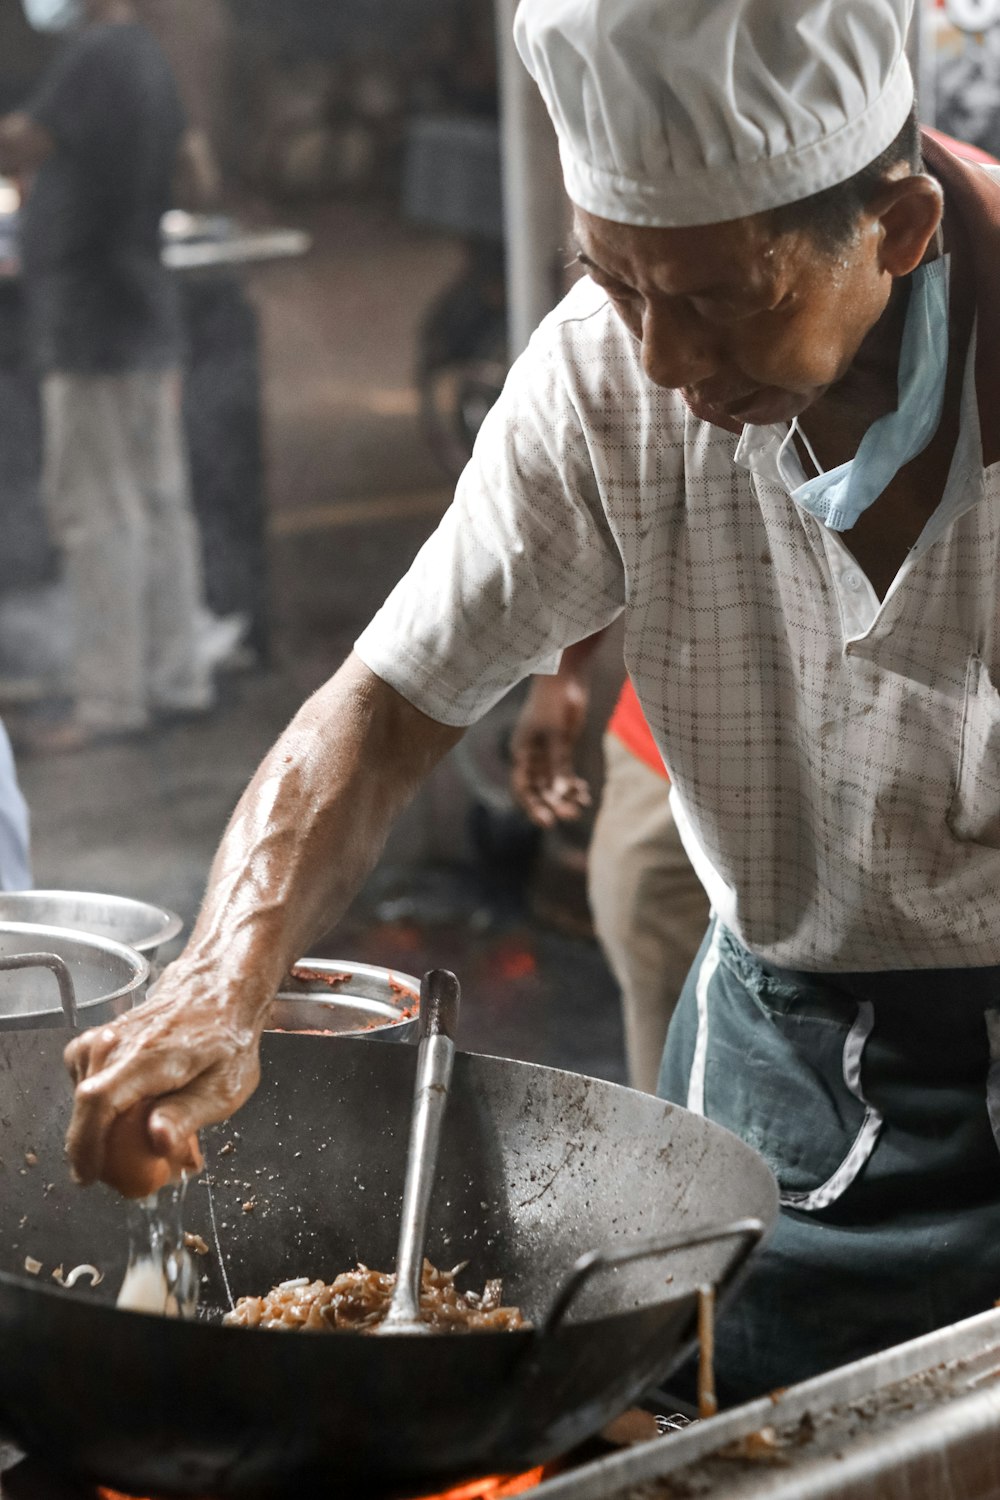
<point>758,444</point>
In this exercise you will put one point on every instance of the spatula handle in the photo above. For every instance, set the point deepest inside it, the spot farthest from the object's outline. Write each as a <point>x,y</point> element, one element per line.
<point>439,1002</point>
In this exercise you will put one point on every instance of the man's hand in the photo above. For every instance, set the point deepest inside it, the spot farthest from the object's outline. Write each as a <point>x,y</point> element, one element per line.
<point>307,831</point>
<point>544,780</point>
<point>185,1055</point>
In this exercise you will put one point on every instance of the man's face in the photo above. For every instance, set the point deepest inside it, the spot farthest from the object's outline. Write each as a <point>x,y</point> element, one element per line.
<point>749,326</point>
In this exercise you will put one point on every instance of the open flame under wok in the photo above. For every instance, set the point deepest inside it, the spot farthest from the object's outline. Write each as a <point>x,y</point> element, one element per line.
<point>490,1487</point>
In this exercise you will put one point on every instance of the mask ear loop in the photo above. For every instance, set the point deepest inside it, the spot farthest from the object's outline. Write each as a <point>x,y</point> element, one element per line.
<point>788,440</point>
<point>796,428</point>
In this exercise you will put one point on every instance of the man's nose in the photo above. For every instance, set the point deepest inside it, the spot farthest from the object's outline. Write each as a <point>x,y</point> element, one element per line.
<point>678,348</point>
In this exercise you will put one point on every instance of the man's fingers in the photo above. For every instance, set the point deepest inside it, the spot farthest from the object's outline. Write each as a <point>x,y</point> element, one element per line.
<point>85,1140</point>
<point>175,1120</point>
<point>571,790</point>
<point>173,1135</point>
<point>538,810</point>
<point>75,1058</point>
<point>88,1054</point>
<point>174,1124</point>
<point>547,793</point>
<point>528,790</point>
<point>102,1096</point>
<point>567,797</point>
<point>83,1056</point>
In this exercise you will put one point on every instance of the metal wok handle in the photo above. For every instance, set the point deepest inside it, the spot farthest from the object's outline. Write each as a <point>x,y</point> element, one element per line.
<point>748,1231</point>
<point>63,977</point>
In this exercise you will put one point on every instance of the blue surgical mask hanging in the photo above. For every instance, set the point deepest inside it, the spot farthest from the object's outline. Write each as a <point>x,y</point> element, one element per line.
<point>838,496</point>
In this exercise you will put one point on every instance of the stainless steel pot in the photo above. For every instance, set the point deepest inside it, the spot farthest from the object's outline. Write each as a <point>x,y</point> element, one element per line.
<point>137,924</point>
<point>51,977</point>
<point>347,999</point>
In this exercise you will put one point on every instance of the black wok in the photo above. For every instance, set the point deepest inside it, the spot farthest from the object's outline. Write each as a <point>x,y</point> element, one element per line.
<point>537,1167</point>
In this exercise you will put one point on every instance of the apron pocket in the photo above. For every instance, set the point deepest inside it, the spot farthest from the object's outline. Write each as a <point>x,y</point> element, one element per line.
<point>974,812</point>
<point>781,1068</point>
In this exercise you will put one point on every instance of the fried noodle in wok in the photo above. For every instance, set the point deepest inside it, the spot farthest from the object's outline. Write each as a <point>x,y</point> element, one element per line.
<point>358,1300</point>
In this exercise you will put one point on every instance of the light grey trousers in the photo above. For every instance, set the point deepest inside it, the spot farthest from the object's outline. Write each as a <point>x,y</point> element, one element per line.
<point>118,501</point>
<point>15,863</point>
<point>650,910</point>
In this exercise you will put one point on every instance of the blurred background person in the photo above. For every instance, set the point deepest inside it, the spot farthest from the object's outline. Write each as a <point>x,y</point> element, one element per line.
<point>648,905</point>
<point>100,147</point>
<point>15,863</point>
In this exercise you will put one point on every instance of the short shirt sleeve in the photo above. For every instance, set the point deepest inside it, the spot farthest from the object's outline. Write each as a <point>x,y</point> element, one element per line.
<point>522,565</point>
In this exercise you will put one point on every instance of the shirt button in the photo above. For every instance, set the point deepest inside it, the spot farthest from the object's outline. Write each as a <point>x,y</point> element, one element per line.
<point>852,581</point>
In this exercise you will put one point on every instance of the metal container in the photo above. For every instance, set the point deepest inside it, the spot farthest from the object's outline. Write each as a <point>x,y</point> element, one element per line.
<point>47,971</point>
<point>335,998</point>
<point>137,924</point>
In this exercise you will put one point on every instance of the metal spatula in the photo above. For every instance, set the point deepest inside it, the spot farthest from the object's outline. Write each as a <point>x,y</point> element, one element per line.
<point>439,1002</point>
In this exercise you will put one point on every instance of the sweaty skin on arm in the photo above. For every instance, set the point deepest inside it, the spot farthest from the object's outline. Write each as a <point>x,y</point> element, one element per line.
<point>306,832</point>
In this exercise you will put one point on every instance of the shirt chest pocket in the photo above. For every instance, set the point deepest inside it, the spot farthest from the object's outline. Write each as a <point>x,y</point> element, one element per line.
<point>974,812</point>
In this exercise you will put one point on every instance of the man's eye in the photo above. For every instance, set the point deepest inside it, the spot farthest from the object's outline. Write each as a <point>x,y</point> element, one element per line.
<point>719,310</point>
<point>618,292</point>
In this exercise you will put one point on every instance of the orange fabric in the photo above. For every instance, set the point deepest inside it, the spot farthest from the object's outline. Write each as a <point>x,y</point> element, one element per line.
<point>628,724</point>
<point>961,148</point>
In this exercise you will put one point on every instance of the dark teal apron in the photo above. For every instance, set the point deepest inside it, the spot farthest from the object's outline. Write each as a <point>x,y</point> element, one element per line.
<point>870,1096</point>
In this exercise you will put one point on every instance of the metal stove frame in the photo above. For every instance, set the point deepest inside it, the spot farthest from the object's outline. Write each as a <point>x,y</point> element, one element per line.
<point>920,1421</point>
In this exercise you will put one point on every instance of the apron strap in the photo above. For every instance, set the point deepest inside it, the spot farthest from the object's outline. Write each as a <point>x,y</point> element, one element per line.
<point>696,1078</point>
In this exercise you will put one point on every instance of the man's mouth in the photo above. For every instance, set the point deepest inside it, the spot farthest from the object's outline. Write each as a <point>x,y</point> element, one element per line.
<point>722,409</point>
<point>761,404</point>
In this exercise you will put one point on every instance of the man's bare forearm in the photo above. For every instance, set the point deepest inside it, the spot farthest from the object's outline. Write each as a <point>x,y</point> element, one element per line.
<point>305,834</point>
<point>309,828</point>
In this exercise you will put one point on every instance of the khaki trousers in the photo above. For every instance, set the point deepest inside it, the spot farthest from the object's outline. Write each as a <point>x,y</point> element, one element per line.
<point>119,507</point>
<point>650,910</point>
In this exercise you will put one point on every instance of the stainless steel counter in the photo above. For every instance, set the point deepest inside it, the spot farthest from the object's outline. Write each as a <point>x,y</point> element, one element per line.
<point>920,1421</point>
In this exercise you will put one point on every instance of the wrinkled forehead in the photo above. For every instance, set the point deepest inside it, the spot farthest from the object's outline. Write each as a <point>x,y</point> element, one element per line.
<point>747,250</point>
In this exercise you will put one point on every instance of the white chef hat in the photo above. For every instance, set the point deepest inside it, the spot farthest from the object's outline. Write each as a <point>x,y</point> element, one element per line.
<point>673,112</point>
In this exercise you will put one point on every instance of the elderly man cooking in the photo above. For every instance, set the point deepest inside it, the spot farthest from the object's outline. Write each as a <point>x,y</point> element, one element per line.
<point>765,428</point>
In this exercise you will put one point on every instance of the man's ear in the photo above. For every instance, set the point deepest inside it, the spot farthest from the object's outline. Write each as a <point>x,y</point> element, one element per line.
<point>906,213</point>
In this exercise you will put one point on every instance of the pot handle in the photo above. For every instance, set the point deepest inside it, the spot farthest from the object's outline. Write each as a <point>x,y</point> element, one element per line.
<point>747,1231</point>
<point>63,977</point>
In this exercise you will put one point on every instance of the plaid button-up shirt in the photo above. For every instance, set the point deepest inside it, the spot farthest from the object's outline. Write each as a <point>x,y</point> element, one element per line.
<point>834,759</point>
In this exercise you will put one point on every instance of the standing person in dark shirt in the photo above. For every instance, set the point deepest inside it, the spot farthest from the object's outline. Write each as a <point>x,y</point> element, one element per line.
<point>103,138</point>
